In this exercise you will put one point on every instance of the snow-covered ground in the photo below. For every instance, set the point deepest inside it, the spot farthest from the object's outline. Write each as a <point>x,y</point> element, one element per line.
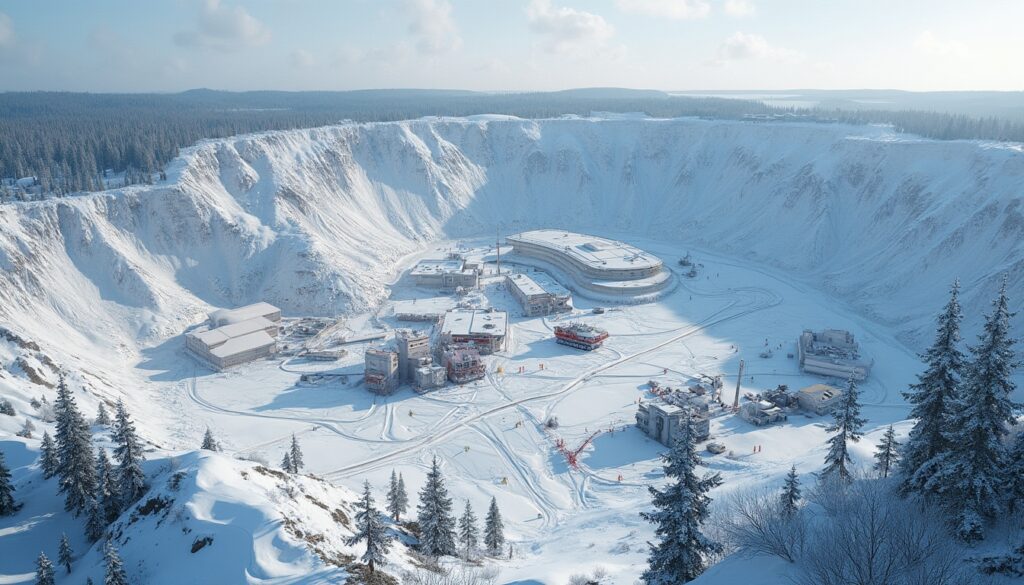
<point>797,226</point>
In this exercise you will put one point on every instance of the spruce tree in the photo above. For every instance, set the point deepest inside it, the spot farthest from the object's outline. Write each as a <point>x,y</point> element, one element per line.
<point>7,505</point>
<point>65,555</point>
<point>469,534</point>
<point>286,462</point>
<point>681,508</point>
<point>397,500</point>
<point>437,526</point>
<point>102,418</point>
<point>131,481</point>
<point>791,492</point>
<point>48,460</point>
<point>969,475</point>
<point>77,469</point>
<point>847,426</point>
<point>107,497</point>
<point>936,389</point>
<point>494,529</point>
<point>209,442</point>
<point>95,522</point>
<point>371,529</point>
<point>295,454</point>
<point>44,570</point>
<point>115,573</point>
<point>887,456</point>
<point>1015,474</point>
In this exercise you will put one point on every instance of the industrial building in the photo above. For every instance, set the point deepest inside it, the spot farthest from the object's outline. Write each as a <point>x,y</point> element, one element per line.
<point>596,264</point>
<point>423,310</point>
<point>448,274</point>
<point>381,370</point>
<point>413,353</point>
<point>662,421</point>
<point>464,364</point>
<point>429,377</point>
<point>832,352</point>
<point>483,330</point>
<point>235,336</point>
<point>819,398</point>
<point>539,296</point>
<point>762,412</point>
<point>580,336</point>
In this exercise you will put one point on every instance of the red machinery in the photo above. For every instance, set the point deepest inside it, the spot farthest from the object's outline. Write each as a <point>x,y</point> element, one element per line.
<point>572,456</point>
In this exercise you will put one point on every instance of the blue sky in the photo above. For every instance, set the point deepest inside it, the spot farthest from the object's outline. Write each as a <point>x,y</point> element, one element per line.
<point>171,45</point>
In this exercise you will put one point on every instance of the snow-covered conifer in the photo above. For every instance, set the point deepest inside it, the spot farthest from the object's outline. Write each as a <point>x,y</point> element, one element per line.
<point>95,522</point>
<point>7,505</point>
<point>286,462</point>
<point>847,426</point>
<point>131,481</point>
<point>397,499</point>
<point>681,508</point>
<point>887,456</point>
<point>295,454</point>
<point>107,495</point>
<point>434,513</point>
<point>932,395</point>
<point>209,442</point>
<point>77,469</point>
<point>65,554</point>
<point>1015,474</point>
<point>370,528</point>
<point>102,418</point>
<point>469,534</point>
<point>115,573</point>
<point>494,529</point>
<point>48,460</point>
<point>44,570</point>
<point>791,492</point>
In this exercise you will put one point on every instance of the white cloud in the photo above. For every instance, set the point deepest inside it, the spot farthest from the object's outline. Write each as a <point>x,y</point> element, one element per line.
<point>931,44</point>
<point>224,28</point>
<point>6,31</point>
<point>740,8</point>
<point>675,9</point>
<point>567,30</point>
<point>433,26</point>
<point>301,59</point>
<point>742,46</point>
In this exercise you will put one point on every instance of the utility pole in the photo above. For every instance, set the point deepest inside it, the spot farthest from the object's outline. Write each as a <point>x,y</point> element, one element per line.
<point>497,245</point>
<point>739,378</point>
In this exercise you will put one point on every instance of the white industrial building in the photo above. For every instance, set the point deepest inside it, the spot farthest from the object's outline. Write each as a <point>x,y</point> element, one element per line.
<point>832,352</point>
<point>819,398</point>
<point>538,295</point>
<point>662,421</point>
<point>448,274</point>
<point>381,370</point>
<point>596,264</point>
<point>236,336</point>
<point>413,353</point>
<point>484,330</point>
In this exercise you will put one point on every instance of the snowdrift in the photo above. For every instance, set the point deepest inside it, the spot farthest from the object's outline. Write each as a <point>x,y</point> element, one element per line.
<point>315,220</point>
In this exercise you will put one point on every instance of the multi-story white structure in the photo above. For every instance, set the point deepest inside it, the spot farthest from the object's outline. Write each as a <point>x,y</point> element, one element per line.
<point>596,264</point>
<point>832,352</point>
<point>819,398</point>
<point>235,336</point>
<point>484,330</point>
<point>413,347</point>
<point>381,370</point>
<point>538,296</point>
<point>448,274</point>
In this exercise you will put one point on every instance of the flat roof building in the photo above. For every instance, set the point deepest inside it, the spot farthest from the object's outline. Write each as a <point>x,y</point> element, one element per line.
<point>446,274</point>
<point>662,421</point>
<point>819,398</point>
<point>381,371</point>
<point>538,296</point>
<point>412,346</point>
<point>235,336</point>
<point>484,330</point>
<point>832,352</point>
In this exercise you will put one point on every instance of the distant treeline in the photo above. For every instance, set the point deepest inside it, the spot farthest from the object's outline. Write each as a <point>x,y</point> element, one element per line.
<point>69,141</point>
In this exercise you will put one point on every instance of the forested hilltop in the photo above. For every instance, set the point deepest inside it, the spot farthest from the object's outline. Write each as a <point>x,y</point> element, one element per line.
<point>61,143</point>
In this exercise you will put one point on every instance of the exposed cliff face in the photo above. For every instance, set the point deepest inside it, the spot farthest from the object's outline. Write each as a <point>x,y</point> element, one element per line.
<point>314,220</point>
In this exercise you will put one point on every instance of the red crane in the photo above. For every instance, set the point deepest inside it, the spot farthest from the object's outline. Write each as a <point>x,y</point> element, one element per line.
<point>572,456</point>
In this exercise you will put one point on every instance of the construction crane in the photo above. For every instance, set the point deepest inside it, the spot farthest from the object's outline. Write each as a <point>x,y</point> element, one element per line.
<point>572,456</point>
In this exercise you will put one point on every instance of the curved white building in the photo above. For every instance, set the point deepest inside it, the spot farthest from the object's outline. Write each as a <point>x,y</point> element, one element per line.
<point>597,264</point>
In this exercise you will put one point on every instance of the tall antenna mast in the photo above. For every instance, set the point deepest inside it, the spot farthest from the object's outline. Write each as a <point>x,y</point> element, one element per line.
<point>497,245</point>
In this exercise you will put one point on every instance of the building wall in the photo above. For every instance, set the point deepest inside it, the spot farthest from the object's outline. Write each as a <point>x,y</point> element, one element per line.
<point>584,273</point>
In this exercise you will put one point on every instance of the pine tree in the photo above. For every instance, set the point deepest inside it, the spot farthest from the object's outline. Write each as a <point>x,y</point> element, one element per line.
<point>295,454</point>
<point>115,574</point>
<point>131,481</point>
<point>95,522</point>
<point>102,418</point>
<point>932,395</point>
<point>969,475</point>
<point>469,534</point>
<point>44,570</point>
<point>7,505</point>
<point>107,497</point>
<point>286,462</point>
<point>494,529</point>
<point>680,511</point>
<point>847,427</point>
<point>77,469</point>
<point>66,555</point>
<point>791,492</point>
<point>371,529</point>
<point>48,456</point>
<point>209,442</point>
<point>887,456</point>
<point>397,500</point>
<point>1015,473</point>
<point>437,526</point>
